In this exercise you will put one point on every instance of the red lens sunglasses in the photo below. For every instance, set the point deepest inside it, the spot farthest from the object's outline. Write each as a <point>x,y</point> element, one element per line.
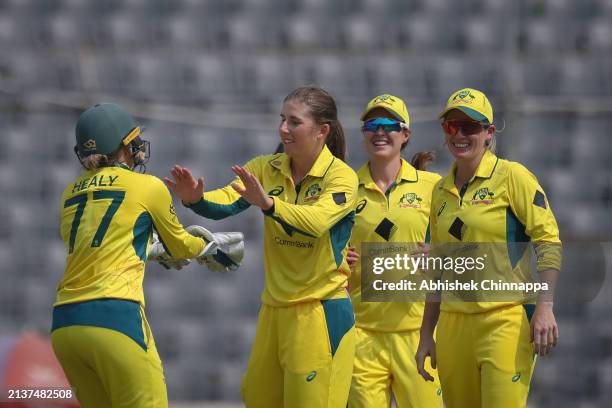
<point>467,127</point>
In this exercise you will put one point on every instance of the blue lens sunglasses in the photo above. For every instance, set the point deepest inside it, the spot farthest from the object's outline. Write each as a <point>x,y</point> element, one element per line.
<point>388,125</point>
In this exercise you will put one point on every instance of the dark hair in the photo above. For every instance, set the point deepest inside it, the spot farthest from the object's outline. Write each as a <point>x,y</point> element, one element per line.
<point>323,110</point>
<point>422,159</point>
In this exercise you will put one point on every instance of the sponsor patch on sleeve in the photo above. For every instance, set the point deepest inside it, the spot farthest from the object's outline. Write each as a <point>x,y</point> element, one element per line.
<point>339,198</point>
<point>539,199</point>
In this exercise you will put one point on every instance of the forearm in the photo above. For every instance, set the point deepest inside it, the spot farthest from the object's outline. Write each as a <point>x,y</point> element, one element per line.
<point>215,211</point>
<point>548,276</point>
<point>549,255</point>
<point>312,220</point>
<point>219,204</point>
<point>430,315</point>
<point>178,243</point>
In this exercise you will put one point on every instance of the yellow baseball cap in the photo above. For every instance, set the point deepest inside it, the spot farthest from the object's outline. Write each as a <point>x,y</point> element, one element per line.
<point>472,102</point>
<point>391,104</point>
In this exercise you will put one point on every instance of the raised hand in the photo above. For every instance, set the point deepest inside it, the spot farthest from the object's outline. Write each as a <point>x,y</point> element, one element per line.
<point>185,185</point>
<point>252,191</point>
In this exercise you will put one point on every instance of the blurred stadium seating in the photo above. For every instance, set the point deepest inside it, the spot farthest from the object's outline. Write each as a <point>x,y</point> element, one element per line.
<point>207,77</point>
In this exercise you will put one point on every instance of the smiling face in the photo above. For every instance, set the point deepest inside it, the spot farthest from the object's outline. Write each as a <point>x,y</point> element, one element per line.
<point>299,133</point>
<point>470,140</point>
<point>380,144</point>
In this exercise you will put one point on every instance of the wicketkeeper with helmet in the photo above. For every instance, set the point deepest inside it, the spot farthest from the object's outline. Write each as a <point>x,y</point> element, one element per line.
<point>100,333</point>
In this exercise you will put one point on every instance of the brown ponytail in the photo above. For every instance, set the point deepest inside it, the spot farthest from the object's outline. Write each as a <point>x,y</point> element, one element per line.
<point>336,141</point>
<point>422,159</point>
<point>96,161</point>
<point>323,110</point>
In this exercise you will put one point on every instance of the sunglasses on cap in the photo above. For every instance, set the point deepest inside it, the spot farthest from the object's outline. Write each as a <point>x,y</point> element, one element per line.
<point>388,125</point>
<point>467,127</point>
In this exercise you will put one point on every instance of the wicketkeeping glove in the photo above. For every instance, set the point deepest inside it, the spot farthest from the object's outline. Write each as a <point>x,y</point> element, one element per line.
<point>157,253</point>
<point>229,249</point>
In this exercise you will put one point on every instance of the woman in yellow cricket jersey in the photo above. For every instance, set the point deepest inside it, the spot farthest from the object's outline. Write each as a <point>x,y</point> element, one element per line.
<point>484,353</point>
<point>303,351</point>
<point>100,333</point>
<point>393,203</point>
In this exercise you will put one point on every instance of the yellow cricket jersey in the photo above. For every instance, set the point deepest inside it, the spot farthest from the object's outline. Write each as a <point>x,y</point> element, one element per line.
<point>502,203</point>
<point>307,230</point>
<point>406,206</point>
<point>107,215</point>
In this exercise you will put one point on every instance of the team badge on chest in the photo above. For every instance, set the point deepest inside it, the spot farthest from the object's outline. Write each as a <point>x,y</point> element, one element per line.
<point>312,193</point>
<point>483,196</point>
<point>410,200</point>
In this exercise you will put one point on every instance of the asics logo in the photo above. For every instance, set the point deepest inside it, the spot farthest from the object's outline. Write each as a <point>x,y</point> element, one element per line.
<point>276,191</point>
<point>442,208</point>
<point>361,206</point>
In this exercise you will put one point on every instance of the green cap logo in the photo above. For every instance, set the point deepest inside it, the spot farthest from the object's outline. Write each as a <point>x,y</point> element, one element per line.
<point>90,145</point>
<point>384,99</point>
<point>463,94</point>
<point>516,377</point>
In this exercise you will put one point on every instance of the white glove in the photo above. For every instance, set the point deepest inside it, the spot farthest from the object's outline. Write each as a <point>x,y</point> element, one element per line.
<point>227,252</point>
<point>157,253</point>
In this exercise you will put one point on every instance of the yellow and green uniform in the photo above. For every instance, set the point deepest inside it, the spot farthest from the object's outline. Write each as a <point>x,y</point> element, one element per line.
<point>304,346</point>
<point>100,333</point>
<point>483,347</point>
<point>388,332</point>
